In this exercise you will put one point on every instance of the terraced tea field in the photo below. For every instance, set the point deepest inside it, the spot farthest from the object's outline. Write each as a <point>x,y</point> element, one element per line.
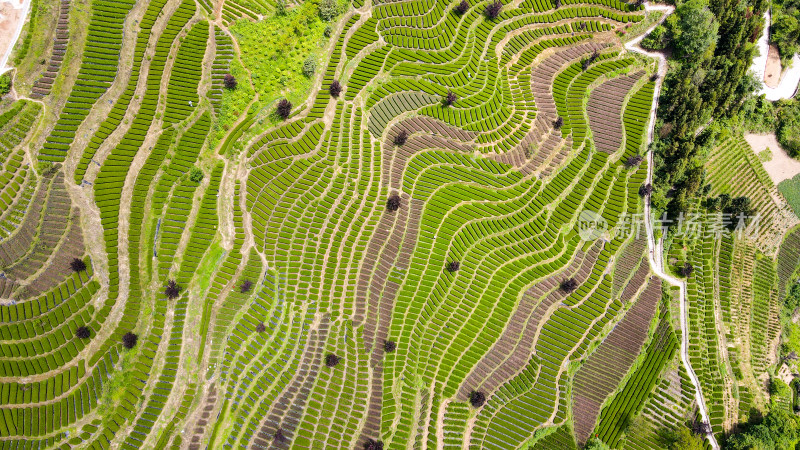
<point>389,253</point>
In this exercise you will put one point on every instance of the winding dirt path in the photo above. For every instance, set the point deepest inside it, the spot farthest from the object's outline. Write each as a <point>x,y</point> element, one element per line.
<point>655,255</point>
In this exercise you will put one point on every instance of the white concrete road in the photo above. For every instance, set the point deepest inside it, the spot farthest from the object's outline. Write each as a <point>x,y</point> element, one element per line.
<point>655,248</point>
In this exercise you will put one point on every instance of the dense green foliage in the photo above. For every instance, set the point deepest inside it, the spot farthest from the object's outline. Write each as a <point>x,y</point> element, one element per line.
<point>596,444</point>
<point>694,29</point>
<point>684,439</point>
<point>711,82</point>
<point>788,129</point>
<point>785,28</point>
<point>657,39</point>
<point>783,117</point>
<point>328,9</point>
<point>691,31</point>
<point>5,83</point>
<point>792,301</point>
<point>780,430</point>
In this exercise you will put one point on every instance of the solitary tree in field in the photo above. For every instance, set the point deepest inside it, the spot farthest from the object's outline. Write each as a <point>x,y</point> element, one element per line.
<point>393,203</point>
<point>77,265</point>
<point>83,332</point>
<point>569,285</point>
<point>335,89</point>
<point>583,26</point>
<point>129,340</point>
<point>389,346</point>
<point>372,444</point>
<point>701,428</point>
<point>453,266</point>
<point>229,81</point>
<point>645,189</point>
<point>686,270</point>
<point>589,60</point>
<point>461,8</point>
<point>196,174</point>
<point>559,122</point>
<point>477,398</point>
<point>638,4</point>
<point>260,328</point>
<point>450,98</point>
<point>633,161</point>
<point>331,360</point>
<point>245,287</point>
<point>654,77</point>
<point>493,10</point>
<point>172,291</point>
<point>557,3</point>
<point>284,109</point>
<point>278,436</point>
<point>401,138</point>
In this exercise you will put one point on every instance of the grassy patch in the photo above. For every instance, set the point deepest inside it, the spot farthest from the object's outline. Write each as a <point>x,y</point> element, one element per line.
<point>234,103</point>
<point>207,266</point>
<point>114,389</point>
<point>791,339</point>
<point>791,191</point>
<point>273,50</point>
<point>634,30</point>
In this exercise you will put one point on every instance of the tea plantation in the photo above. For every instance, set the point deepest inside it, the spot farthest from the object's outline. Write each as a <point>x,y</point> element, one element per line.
<point>322,224</point>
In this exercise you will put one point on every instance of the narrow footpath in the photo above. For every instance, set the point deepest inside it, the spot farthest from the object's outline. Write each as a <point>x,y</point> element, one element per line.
<point>656,248</point>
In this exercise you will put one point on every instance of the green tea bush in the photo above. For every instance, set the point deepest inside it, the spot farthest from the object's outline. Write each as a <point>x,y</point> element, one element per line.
<point>196,175</point>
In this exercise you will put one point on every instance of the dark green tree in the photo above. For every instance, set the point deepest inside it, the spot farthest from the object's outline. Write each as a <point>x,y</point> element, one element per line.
<point>694,28</point>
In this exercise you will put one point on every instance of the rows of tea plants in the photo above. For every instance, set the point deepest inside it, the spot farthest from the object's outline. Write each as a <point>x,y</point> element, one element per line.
<point>107,364</point>
<point>99,63</point>
<point>118,111</point>
<point>397,259</point>
<point>734,169</point>
<point>603,371</point>
<point>221,67</point>
<point>668,407</point>
<point>58,51</point>
<point>618,414</point>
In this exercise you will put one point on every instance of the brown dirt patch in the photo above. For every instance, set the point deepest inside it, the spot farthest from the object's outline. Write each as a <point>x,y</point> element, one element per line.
<point>781,166</point>
<point>772,73</point>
